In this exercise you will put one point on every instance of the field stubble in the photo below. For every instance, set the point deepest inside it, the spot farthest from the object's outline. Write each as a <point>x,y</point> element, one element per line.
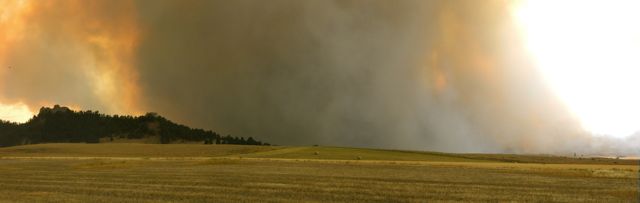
<point>254,177</point>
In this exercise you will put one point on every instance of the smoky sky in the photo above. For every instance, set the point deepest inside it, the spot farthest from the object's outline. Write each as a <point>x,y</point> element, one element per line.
<point>299,72</point>
<point>337,72</point>
<point>410,74</point>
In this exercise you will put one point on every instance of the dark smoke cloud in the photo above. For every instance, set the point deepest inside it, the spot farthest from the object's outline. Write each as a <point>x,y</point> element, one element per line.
<point>357,73</point>
<point>294,72</point>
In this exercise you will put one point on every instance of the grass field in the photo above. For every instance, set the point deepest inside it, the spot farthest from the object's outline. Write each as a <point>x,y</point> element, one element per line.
<point>229,173</point>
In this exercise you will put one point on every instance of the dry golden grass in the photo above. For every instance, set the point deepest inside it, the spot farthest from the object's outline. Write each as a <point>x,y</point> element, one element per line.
<point>134,150</point>
<point>280,174</point>
<point>342,153</point>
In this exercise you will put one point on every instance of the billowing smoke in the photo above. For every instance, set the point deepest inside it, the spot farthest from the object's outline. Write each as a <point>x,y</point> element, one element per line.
<point>411,74</point>
<point>75,53</point>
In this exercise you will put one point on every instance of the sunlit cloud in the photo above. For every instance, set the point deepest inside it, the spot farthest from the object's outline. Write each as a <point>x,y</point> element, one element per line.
<point>588,52</point>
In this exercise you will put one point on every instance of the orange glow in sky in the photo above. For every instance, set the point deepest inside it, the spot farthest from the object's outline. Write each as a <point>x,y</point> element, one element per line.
<point>102,47</point>
<point>15,113</point>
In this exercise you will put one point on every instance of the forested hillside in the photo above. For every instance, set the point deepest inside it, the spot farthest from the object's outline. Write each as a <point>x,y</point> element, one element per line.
<point>60,124</point>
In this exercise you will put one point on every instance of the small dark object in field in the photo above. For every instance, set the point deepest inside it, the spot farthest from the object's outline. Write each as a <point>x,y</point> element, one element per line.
<point>315,145</point>
<point>316,153</point>
<point>358,158</point>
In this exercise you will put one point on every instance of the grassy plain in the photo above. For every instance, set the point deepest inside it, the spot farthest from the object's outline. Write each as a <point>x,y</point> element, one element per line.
<point>229,173</point>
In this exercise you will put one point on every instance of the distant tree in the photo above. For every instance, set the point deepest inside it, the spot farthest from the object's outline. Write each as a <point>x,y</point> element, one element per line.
<point>60,124</point>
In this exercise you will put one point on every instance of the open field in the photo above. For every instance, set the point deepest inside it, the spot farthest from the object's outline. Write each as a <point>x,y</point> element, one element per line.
<point>229,173</point>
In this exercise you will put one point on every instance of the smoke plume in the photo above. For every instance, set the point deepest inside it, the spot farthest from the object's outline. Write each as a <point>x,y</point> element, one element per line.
<point>412,74</point>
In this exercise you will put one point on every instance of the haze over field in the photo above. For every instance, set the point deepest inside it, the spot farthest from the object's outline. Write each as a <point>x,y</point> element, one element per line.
<point>462,76</point>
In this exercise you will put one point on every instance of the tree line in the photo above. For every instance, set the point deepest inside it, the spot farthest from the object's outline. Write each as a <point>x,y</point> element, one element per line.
<point>60,124</point>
